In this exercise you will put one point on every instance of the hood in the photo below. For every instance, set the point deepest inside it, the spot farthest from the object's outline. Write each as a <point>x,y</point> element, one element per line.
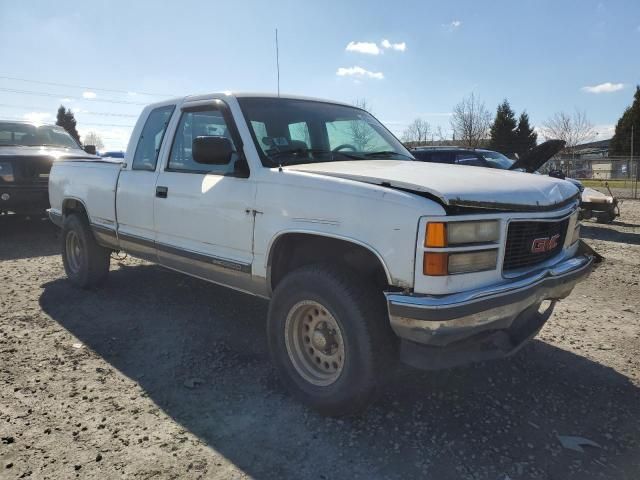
<point>52,152</point>
<point>538,156</point>
<point>455,185</point>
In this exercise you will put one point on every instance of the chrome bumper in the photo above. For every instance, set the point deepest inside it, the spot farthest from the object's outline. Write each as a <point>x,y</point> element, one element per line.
<point>445,320</point>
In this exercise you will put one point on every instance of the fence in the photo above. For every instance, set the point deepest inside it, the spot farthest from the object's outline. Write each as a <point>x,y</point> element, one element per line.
<point>619,173</point>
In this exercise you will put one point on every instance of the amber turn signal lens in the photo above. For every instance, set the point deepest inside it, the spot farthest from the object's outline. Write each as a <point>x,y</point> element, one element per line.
<point>436,235</point>
<point>435,264</point>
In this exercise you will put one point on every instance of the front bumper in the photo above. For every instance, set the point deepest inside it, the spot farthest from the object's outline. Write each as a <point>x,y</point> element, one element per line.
<point>485,323</point>
<point>24,198</point>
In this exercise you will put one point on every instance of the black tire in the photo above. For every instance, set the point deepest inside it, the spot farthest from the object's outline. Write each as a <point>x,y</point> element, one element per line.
<point>606,217</point>
<point>369,344</point>
<point>89,265</point>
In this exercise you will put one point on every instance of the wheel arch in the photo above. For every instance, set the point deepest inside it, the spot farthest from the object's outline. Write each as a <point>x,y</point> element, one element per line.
<point>302,243</point>
<point>73,204</point>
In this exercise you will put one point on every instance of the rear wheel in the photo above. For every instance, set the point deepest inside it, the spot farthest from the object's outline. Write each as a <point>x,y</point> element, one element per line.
<point>86,263</point>
<point>330,338</point>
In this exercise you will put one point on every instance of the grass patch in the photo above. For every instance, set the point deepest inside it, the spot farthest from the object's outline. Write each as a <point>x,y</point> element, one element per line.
<point>612,183</point>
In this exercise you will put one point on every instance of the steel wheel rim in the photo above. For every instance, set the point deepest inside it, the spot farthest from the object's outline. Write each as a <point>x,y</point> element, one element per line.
<point>314,343</point>
<point>74,251</point>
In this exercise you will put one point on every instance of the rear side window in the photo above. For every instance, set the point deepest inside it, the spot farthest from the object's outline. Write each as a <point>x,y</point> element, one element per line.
<point>146,156</point>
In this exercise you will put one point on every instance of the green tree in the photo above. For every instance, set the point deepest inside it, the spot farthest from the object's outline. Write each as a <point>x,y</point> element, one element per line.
<point>503,130</point>
<point>621,141</point>
<point>66,120</point>
<point>526,137</point>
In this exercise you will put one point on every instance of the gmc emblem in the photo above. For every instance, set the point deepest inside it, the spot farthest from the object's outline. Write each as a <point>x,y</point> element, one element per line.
<point>546,244</point>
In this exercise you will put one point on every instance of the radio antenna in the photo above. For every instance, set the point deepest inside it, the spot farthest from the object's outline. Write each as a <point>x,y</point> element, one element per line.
<point>277,62</point>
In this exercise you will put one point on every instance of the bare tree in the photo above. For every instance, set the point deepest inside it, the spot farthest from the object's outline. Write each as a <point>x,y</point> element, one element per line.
<point>573,129</point>
<point>92,138</point>
<point>417,133</point>
<point>471,121</point>
<point>361,132</point>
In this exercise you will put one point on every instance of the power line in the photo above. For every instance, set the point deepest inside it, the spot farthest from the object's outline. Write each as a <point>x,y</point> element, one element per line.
<point>82,112</point>
<point>80,124</point>
<point>113,90</point>
<point>56,95</point>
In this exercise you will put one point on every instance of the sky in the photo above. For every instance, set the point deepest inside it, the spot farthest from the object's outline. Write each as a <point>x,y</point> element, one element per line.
<point>106,59</point>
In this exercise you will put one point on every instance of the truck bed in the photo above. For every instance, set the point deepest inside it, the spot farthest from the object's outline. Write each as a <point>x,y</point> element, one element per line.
<point>92,182</point>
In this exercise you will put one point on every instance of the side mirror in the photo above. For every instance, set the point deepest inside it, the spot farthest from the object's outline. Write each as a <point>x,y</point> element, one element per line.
<point>90,149</point>
<point>212,150</point>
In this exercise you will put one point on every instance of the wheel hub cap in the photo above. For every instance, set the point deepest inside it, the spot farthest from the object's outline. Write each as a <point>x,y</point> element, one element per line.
<point>314,343</point>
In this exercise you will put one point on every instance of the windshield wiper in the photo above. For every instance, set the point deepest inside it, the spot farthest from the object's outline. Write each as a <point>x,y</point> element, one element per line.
<point>386,153</point>
<point>316,151</point>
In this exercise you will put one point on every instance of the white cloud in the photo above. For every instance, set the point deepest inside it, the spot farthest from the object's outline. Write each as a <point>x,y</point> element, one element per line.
<point>89,95</point>
<point>36,117</point>
<point>400,47</point>
<point>454,25</point>
<point>606,87</point>
<point>66,100</point>
<point>369,48</point>
<point>358,72</point>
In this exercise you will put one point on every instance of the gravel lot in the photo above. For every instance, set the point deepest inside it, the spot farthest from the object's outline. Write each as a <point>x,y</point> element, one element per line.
<point>161,376</point>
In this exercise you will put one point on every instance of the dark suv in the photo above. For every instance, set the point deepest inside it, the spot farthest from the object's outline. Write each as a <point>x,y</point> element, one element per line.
<point>463,156</point>
<point>27,152</point>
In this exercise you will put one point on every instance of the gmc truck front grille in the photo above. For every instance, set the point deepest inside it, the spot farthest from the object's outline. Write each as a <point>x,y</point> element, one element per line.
<point>530,243</point>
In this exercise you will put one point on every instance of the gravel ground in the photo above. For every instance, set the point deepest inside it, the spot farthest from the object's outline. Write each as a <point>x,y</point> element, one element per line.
<point>161,376</point>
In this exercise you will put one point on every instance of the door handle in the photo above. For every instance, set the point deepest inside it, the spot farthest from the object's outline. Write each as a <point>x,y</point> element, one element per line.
<point>161,192</point>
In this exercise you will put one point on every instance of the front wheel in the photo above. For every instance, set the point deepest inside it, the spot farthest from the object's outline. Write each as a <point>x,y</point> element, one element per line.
<point>86,263</point>
<point>330,338</point>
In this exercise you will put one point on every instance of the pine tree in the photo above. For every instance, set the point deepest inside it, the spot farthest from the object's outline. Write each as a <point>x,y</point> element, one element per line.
<point>503,130</point>
<point>526,137</point>
<point>66,120</point>
<point>621,141</point>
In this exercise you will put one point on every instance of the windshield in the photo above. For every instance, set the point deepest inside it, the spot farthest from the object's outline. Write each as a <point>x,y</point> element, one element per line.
<point>497,160</point>
<point>288,131</point>
<point>28,135</point>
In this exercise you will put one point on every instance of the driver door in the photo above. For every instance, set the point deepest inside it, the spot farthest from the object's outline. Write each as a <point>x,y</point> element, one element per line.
<point>204,213</point>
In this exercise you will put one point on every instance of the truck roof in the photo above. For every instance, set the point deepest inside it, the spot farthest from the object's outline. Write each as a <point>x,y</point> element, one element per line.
<point>243,95</point>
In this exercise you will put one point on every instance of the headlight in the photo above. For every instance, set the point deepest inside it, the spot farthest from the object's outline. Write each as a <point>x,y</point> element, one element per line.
<point>473,261</point>
<point>458,234</point>
<point>441,234</point>
<point>473,232</point>
<point>441,263</point>
<point>6,172</point>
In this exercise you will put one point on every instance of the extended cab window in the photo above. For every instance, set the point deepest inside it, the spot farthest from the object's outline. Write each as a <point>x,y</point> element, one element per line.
<point>146,156</point>
<point>197,124</point>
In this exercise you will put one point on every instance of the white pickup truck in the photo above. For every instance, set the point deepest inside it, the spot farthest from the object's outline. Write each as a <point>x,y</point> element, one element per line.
<point>366,255</point>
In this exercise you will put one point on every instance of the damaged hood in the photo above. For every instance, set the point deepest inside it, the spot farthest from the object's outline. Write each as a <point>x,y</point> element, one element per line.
<point>455,185</point>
